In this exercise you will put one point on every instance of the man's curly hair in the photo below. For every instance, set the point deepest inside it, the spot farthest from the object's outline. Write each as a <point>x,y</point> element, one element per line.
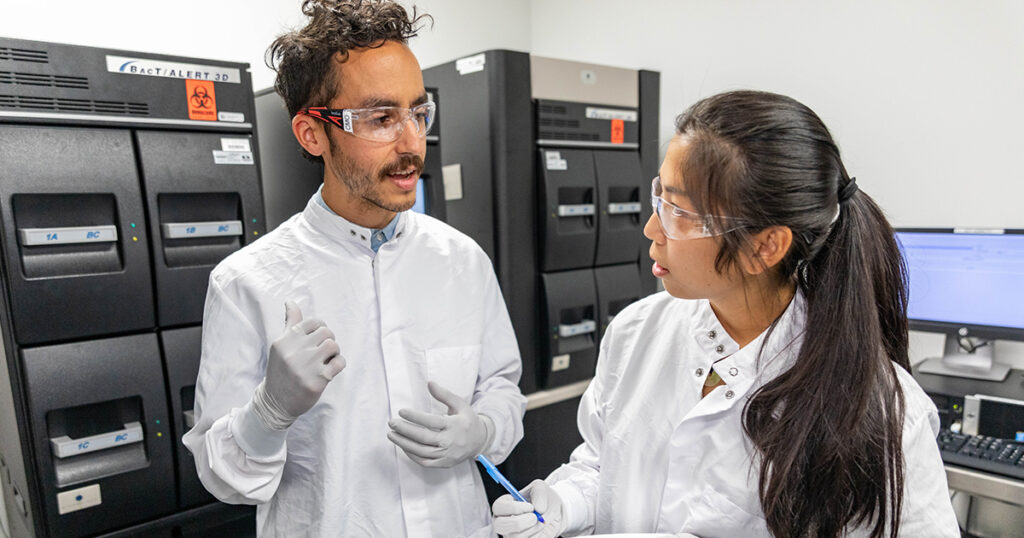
<point>302,58</point>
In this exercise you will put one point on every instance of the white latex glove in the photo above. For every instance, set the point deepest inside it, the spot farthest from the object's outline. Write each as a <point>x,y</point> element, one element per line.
<point>301,363</point>
<point>441,440</point>
<point>514,519</point>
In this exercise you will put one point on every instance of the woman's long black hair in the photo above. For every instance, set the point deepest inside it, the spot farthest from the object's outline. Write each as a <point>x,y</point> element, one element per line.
<point>829,430</point>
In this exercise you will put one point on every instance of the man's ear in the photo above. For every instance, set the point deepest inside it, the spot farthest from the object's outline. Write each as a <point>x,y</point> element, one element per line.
<point>767,248</point>
<point>310,135</point>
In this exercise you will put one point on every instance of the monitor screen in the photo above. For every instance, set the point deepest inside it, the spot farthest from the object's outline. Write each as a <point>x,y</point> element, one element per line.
<point>973,280</point>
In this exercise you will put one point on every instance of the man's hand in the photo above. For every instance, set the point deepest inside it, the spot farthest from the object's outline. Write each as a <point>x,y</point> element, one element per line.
<point>441,440</point>
<point>301,363</point>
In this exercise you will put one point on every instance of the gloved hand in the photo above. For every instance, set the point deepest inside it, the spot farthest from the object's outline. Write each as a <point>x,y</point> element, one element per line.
<point>301,363</point>
<point>441,440</point>
<point>514,519</point>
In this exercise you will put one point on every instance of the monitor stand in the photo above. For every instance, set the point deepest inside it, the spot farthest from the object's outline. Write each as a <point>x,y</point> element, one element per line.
<point>976,365</point>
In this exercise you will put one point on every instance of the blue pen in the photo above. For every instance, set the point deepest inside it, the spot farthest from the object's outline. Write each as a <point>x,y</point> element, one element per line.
<point>500,479</point>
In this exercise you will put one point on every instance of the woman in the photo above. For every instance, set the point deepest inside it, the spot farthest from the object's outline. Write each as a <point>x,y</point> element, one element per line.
<point>767,392</point>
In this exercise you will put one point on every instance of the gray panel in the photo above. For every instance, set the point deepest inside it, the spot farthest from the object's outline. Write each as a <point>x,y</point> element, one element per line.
<point>565,80</point>
<point>70,84</point>
<point>650,159</point>
<point>184,183</point>
<point>617,287</point>
<point>570,299</point>
<point>620,222</point>
<point>182,349</point>
<point>63,380</point>
<point>567,180</point>
<point>108,284</point>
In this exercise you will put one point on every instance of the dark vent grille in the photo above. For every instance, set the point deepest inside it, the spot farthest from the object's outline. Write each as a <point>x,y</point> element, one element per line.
<point>555,135</point>
<point>74,105</point>
<point>552,109</point>
<point>555,122</point>
<point>24,55</point>
<point>55,81</point>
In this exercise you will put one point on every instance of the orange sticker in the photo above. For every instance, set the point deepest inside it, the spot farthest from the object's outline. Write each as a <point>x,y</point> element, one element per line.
<point>618,131</point>
<point>202,101</point>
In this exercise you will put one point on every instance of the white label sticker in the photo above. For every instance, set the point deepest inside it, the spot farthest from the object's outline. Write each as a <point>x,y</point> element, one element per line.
<point>451,176</point>
<point>470,64</point>
<point>235,144</point>
<point>979,231</point>
<point>553,161</point>
<point>232,157</point>
<point>77,499</point>
<point>158,68</point>
<point>235,117</point>
<point>559,362</point>
<point>596,113</point>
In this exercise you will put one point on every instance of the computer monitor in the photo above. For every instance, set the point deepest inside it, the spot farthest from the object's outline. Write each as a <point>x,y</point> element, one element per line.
<point>968,284</point>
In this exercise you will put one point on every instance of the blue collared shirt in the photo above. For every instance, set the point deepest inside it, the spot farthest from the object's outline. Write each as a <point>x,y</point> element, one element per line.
<point>378,237</point>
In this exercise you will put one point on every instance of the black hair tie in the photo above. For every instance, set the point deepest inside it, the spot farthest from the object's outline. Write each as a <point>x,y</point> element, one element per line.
<point>847,191</point>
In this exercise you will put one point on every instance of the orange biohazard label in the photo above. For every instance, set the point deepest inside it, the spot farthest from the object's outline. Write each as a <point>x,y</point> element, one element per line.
<point>618,131</point>
<point>202,101</point>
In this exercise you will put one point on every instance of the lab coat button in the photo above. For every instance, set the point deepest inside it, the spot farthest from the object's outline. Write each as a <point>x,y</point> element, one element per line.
<point>353,232</point>
<point>729,394</point>
<point>720,348</point>
<point>733,371</point>
<point>699,372</point>
<point>712,334</point>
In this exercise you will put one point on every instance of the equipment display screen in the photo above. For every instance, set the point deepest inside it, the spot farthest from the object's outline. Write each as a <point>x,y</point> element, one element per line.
<point>1001,419</point>
<point>969,279</point>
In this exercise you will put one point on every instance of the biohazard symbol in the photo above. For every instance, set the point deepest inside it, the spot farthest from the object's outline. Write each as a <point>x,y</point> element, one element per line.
<point>201,100</point>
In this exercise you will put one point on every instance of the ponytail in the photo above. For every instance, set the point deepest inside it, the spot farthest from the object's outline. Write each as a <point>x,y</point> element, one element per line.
<point>828,430</point>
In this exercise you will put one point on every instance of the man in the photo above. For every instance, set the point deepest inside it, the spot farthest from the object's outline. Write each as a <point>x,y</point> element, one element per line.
<point>356,321</point>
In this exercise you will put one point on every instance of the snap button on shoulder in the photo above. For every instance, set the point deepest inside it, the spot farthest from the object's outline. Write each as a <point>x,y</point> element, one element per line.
<point>720,348</point>
<point>733,371</point>
<point>699,372</point>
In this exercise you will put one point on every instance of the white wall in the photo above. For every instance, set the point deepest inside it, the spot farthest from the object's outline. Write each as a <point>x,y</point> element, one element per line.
<point>241,30</point>
<point>925,97</point>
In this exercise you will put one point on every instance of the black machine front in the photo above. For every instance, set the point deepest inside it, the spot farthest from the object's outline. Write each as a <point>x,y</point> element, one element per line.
<point>548,165</point>
<point>125,177</point>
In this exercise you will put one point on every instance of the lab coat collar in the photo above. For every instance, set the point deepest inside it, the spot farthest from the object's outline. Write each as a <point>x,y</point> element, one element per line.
<point>339,228</point>
<point>742,368</point>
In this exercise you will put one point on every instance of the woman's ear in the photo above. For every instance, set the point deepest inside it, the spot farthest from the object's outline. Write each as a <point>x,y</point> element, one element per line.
<point>767,248</point>
<point>310,136</point>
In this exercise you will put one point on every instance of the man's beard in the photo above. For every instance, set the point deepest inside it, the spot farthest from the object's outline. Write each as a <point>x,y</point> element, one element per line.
<point>367,185</point>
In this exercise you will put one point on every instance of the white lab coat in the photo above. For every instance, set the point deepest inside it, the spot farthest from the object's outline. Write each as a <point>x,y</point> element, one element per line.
<point>658,458</point>
<point>426,307</point>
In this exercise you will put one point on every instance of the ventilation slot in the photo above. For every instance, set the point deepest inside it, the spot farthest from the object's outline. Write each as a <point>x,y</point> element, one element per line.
<point>552,109</point>
<point>556,135</point>
<point>74,105</point>
<point>53,81</point>
<point>555,122</point>
<point>24,55</point>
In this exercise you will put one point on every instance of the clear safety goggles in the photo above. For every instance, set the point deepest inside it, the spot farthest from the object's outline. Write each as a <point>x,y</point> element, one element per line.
<point>679,223</point>
<point>379,124</point>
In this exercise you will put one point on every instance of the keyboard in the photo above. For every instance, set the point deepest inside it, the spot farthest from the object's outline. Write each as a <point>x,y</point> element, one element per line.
<point>990,454</point>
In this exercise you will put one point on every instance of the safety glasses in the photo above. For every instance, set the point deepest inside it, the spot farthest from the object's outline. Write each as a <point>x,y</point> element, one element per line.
<point>379,124</point>
<point>679,223</point>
